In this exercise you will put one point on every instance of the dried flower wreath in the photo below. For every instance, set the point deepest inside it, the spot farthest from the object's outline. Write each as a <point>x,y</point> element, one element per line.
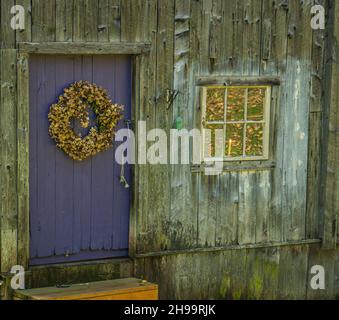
<point>75,104</point>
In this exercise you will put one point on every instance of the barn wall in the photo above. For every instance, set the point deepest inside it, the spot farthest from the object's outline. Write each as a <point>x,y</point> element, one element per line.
<point>181,210</point>
<point>178,210</point>
<point>251,274</point>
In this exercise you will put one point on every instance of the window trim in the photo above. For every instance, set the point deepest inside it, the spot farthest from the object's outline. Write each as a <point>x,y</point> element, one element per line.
<point>266,121</point>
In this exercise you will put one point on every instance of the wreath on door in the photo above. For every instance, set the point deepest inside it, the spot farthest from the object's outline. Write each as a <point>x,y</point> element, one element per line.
<point>75,103</point>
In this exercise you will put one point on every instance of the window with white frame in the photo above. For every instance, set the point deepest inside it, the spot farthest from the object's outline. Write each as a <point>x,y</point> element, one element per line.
<point>236,122</point>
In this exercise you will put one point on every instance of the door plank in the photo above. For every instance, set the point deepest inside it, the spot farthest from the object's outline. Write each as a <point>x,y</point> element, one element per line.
<point>83,70</point>
<point>63,168</point>
<point>46,160</point>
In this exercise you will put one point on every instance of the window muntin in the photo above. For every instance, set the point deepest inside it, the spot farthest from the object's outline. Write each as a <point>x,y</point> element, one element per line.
<point>242,113</point>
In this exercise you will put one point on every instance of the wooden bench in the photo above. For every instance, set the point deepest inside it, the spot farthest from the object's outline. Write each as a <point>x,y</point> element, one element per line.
<point>122,289</point>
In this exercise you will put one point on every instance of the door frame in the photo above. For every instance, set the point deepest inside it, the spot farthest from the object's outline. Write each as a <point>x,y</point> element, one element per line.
<point>139,52</point>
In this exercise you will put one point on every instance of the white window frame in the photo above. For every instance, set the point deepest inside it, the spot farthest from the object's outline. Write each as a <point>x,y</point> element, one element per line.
<point>225,122</point>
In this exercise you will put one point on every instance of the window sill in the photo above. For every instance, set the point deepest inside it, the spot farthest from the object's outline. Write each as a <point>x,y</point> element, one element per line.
<point>239,166</point>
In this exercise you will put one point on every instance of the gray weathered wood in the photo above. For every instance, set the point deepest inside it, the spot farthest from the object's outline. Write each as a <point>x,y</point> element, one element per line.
<point>228,210</point>
<point>114,23</point>
<point>236,81</point>
<point>91,20</point>
<point>8,152</point>
<point>238,166</point>
<point>64,20</point>
<point>83,48</point>
<point>183,220</point>
<point>44,20</point>
<point>146,113</point>
<point>7,34</point>
<point>330,198</point>
<point>228,248</point>
<point>26,34</point>
<point>313,218</point>
<point>159,175</point>
<point>23,159</point>
<point>79,21</point>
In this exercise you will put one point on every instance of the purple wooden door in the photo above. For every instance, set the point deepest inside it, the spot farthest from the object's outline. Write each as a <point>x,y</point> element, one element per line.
<point>78,210</point>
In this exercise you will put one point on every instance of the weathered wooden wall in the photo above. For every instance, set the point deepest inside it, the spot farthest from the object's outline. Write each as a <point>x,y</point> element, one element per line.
<point>178,210</point>
<point>281,272</point>
<point>241,38</point>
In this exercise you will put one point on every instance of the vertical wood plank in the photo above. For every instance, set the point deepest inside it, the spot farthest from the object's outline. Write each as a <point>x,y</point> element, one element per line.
<point>159,196</point>
<point>228,207</point>
<point>266,37</point>
<point>133,23</point>
<point>23,159</point>
<point>114,21</point>
<point>103,20</point>
<point>313,217</point>
<point>43,20</point>
<point>46,191</point>
<point>91,20</point>
<point>7,34</point>
<point>263,207</point>
<point>231,40</point>
<point>293,272</point>
<point>83,70</point>
<point>34,64</point>
<point>247,207</point>
<point>194,105</point>
<point>215,37</point>
<point>78,20</point>
<point>251,37</point>
<point>275,216</point>
<point>279,16</point>
<point>146,114</point>
<point>204,35</point>
<point>330,136</point>
<point>8,152</point>
<point>207,215</point>
<point>63,69</point>
<point>128,19</point>
<point>26,34</point>
<point>135,170</point>
<point>295,126</point>
<point>64,20</point>
<point>103,178</point>
<point>183,219</point>
<point>336,274</point>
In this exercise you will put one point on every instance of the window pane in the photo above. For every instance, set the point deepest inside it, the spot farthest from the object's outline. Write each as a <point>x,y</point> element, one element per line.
<point>234,140</point>
<point>215,104</point>
<point>254,140</point>
<point>236,104</point>
<point>255,106</point>
<point>213,140</point>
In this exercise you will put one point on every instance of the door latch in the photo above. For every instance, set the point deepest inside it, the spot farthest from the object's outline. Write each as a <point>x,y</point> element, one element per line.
<point>123,180</point>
